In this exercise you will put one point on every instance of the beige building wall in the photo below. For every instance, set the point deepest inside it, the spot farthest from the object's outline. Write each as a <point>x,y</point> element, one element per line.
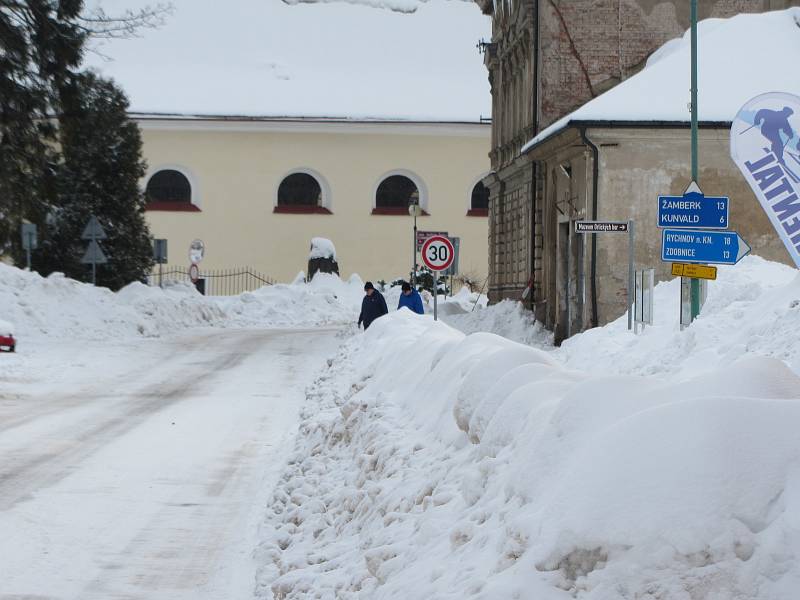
<point>235,168</point>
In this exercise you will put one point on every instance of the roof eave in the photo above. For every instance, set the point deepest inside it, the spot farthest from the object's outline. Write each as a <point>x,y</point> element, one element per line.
<point>619,124</point>
<point>156,116</point>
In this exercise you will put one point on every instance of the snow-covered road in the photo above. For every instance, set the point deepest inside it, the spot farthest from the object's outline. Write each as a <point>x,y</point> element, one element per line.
<point>143,469</point>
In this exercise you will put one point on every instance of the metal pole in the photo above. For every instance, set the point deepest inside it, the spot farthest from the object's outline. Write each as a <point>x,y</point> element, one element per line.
<point>694,90</point>
<point>695,283</point>
<point>28,250</point>
<point>160,273</point>
<point>631,275</point>
<point>414,249</point>
<point>435,297</point>
<point>94,271</point>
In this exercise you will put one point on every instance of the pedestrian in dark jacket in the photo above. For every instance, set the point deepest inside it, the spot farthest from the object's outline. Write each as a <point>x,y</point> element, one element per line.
<point>372,306</point>
<point>411,299</point>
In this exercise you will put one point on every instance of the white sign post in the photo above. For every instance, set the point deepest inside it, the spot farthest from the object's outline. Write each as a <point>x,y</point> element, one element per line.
<point>437,254</point>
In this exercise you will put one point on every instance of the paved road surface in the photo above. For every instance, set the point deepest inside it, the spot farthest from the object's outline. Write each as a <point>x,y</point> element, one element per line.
<point>144,474</point>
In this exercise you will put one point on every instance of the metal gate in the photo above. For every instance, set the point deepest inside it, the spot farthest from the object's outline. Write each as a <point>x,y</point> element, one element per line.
<point>216,282</point>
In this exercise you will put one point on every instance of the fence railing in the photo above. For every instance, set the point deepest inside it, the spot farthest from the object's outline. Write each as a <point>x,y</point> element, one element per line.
<point>213,282</point>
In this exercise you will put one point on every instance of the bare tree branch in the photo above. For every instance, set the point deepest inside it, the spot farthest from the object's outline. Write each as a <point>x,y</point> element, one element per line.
<point>98,24</point>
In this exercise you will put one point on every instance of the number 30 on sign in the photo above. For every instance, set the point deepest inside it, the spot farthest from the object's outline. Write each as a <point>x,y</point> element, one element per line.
<point>437,253</point>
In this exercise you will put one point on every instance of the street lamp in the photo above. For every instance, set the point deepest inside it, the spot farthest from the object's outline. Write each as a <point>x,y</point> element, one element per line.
<point>415,210</point>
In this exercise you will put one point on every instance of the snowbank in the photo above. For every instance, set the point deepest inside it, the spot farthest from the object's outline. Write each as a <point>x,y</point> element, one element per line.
<point>325,300</point>
<point>431,464</point>
<point>507,318</point>
<point>752,308</point>
<point>56,307</point>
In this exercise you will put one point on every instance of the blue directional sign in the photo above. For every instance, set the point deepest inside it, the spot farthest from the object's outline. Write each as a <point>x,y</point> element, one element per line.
<point>693,210</point>
<point>689,246</point>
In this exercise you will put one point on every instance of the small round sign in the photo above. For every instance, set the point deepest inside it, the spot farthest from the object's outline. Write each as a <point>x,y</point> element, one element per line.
<point>438,253</point>
<point>194,273</point>
<point>197,250</point>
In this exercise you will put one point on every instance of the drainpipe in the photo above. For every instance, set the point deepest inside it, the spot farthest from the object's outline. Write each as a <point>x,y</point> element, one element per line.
<point>535,122</point>
<point>595,178</point>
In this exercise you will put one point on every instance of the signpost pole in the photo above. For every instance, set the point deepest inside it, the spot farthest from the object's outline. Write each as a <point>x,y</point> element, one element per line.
<point>695,283</point>
<point>435,299</point>
<point>28,250</point>
<point>414,250</point>
<point>631,276</point>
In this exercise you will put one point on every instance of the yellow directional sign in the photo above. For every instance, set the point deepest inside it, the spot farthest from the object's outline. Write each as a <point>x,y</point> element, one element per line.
<point>694,271</point>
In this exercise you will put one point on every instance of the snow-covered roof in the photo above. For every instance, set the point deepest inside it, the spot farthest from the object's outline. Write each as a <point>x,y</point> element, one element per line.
<point>738,59</point>
<point>265,58</point>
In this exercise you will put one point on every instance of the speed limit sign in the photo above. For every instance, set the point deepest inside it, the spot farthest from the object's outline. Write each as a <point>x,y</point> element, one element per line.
<point>194,273</point>
<point>438,253</point>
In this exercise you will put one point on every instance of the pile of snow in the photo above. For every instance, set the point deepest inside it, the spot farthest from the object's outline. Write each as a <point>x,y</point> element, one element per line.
<point>322,248</point>
<point>325,300</point>
<point>508,318</point>
<point>752,308</point>
<point>736,62</point>
<point>56,308</point>
<point>269,59</point>
<point>430,464</point>
<point>6,328</point>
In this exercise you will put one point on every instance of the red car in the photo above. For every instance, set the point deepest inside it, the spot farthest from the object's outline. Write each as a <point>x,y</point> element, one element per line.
<point>7,340</point>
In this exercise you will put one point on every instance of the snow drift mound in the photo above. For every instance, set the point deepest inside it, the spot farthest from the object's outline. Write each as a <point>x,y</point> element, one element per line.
<point>436,465</point>
<point>507,318</point>
<point>752,308</point>
<point>325,300</point>
<point>57,307</point>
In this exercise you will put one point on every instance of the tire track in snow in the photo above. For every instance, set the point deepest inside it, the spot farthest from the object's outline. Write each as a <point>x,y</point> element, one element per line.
<point>22,473</point>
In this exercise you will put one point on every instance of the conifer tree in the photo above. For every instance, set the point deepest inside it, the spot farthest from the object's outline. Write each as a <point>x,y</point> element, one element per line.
<point>40,45</point>
<point>100,174</point>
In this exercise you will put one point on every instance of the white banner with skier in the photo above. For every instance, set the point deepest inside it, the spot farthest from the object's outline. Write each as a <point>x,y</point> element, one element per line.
<point>765,145</point>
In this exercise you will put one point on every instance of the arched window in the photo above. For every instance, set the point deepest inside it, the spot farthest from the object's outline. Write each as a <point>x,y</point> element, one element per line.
<point>301,193</point>
<point>299,189</point>
<point>169,186</point>
<point>479,203</point>
<point>394,194</point>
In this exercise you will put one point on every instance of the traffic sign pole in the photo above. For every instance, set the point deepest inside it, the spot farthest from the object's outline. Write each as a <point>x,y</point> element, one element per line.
<point>631,276</point>
<point>438,254</point>
<point>695,283</point>
<point>94,253</point>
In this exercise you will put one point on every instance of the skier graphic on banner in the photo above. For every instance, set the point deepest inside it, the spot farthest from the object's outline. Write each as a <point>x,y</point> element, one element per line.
<point>766,147</point>
<point>774,124</point>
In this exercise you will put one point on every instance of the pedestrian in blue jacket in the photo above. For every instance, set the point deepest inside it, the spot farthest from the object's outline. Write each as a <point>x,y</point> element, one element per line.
<point>372,306</point>
<point>411,299</point>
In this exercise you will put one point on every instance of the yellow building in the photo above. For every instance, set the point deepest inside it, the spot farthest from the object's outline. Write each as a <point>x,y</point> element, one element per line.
<point>256,191</point>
